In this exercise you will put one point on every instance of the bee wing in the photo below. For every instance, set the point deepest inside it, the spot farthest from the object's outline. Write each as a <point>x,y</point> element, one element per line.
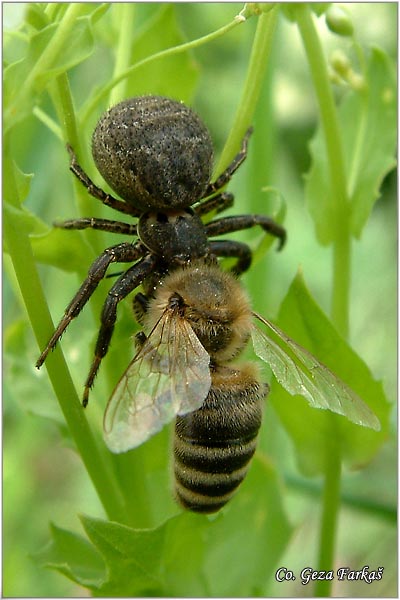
<point>310,378</point>
<point>169,375</point>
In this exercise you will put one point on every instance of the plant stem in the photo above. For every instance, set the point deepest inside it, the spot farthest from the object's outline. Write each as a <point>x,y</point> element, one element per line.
<point>66,111</point>
<point>329,521</point>
<point>337,190</point>
<point>338,186</point>
<point>48,122</point>
<point>22,258</point>
<point>64,106</point>
<point>340,308</point>
<point>259,59</point>
<point>126,12</point>
<point>372,508</point>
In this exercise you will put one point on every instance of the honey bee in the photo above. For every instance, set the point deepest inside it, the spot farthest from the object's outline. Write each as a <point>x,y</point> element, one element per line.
<point>197,322</point>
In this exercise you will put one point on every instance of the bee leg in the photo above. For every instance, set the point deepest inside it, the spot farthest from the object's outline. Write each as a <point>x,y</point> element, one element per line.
<point>95,191</point>
<point>140,305</point>
<point>226,175</point>
<point>239,222</point>
<point>124,252</point>
<point>239,250</point>
<point>219,203</point>
<point>140,339</point>
<point>126,283</point>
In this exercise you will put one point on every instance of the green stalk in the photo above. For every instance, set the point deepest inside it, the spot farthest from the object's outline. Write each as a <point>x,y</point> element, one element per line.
<point>61,96</point>
<point>334,149</point>
<point>371,507</point>
<point>330,517</point>
<point>20,251</point>
<point>340,308</point>
<point>50,123</point>
<point>125,13</point>
<point>341,271</point>
<point>66,111</point>
<point>64,106</point>
<point>260,55</point>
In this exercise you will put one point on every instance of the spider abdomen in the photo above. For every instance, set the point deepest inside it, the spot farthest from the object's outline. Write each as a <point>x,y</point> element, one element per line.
<point>155,152</point>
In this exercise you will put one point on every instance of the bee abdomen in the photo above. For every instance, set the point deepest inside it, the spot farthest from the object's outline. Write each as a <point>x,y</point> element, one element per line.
<point>212,481</point>
<point>214,445</point>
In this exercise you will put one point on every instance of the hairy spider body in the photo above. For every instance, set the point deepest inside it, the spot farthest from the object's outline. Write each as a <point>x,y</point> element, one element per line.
<point>154,152</point>
<point>157,155</point>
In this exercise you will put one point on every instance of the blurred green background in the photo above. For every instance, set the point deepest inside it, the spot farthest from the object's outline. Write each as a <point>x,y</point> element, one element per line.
<point>43,478</point>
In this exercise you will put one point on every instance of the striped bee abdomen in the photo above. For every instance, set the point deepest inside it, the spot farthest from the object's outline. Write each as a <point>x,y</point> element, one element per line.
<point>214,444</point>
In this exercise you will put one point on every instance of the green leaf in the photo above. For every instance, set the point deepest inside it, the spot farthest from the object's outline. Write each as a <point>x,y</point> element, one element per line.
<point>80,46</point>
<point>316,432</point>
<point>175,75</point>
<point>57,248</point>
<point>36,16</point>
<point>185,556</point>
<point>78,49</point>
<point>367,121</point>
<point>25,386</point>
<point>370,155</point>
<point>50,246</point>
<point>153,562</point>
<point>23,185</point>
<point>72,555</point>
<point>249,537</point>
<point>28,221</point>
<point>14,47</point>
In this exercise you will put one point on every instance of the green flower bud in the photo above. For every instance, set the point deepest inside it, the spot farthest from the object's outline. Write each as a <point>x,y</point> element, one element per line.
<point>334,78</point>
<point>338,21</point>
<point>357,82</point>
<point>340,64</point>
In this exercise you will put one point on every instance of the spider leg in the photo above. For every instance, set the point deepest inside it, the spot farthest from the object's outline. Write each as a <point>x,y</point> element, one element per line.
<point>229,248</point>
<point>219,203</point>
<point>122,287</point>
<point>124,252</point>
<point>97,192</point>
<point>239,222</point>
<point>223,179</point>
<point>103,224</point>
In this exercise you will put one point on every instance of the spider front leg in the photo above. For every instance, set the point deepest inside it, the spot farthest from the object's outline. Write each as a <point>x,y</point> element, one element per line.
<point>219,203</point>
<point>128,281</point>
<point>124,252</point>
<point>239,222</point>
<point>102,224</point>
<point>233,249</point>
